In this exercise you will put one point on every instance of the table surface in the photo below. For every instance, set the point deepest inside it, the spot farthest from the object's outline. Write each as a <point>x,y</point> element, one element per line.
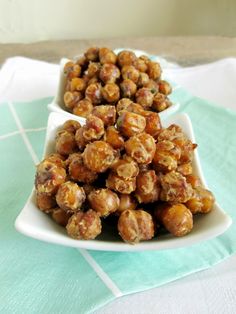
<point>213,290</point>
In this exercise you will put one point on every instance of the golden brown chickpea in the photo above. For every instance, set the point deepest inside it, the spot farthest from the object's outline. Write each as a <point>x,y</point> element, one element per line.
<point>130,123</point>
<point>104,201</point>
<point>56,159</point>
<point>71,126</point>
<point>160,102</point>
<point>65,143</point>
<point>141,148</point>
<point>113,137</point>
<point>107,56</point>
<point>164,87</point>
<point>106,113</point>
<point>152,86</point>
<point>109,73</point>
<point>131,107</point>
<point>126,168</point>
<point>99,156</point>
<point>126,58</point>
<point>72,70</point>
<point>142,80</point>
<point>92,54</point>
<point>94,93</point>
<point>49,177</point>
<point>93,69</point>
<point>144,97</point>
<point>79,138</point>
<point>120,185</point>
<point>71,99</point>
<point>60,216</point>
<point>154,70</point>
<point>166,156</point>
<point>111,92</point>
<point>153,123</point>
<point>177,219</point>
<point>128,88</point>
<point>127,202</point>
<point>175,188</point>
<point>45,202</point>
<point>129,72</point>
<point>135,226</point>
<point>193,180</point>
<point>70,196</point>
<point>185,169</point>
<point>83,108</point>
<point>122,104</point>
<point>86,226</point>
<point>77,84</point>
<point>78,171</point>
<point>202,201</point>
<point>93,129</point>
<point>147,190</point>
<point>141,65</point>
<point>82,62</point>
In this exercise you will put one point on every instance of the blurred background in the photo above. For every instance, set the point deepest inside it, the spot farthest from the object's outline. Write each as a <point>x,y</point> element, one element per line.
<point>36,20</point>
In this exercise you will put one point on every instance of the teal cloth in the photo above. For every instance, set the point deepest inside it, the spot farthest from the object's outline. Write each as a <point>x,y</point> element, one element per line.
<point>36,277</point>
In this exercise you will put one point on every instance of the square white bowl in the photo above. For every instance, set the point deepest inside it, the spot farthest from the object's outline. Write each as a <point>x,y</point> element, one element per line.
<point>57,104</point>
<point>34,223</point>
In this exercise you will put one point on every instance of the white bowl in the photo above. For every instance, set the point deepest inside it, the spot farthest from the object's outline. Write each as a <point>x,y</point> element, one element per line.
<point>57,104</point>
<point>34,223</point>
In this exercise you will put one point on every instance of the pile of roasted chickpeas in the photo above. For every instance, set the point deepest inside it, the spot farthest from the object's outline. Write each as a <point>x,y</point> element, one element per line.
<point>121,164</point>
<point>100,77</point>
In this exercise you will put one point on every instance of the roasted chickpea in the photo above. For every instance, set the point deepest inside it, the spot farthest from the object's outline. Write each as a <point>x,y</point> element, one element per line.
<point>130,123</point>
<point>107,56</point>
<point>45,202</point>
<point>147,190</point>
<point>93,129</point>
<point>164,87</point>
<point>71,99</point>
<point>141,148</point>
<point>127,202</point>
<point>126,58</point>
<point>154,70</point>
<point>106,113</point>
<point>94,93</point>
<point>120,185</point>
<point>92,54</point>
<point>99,156</point>
<point>160,102</point>
<point>71,126</point>
<point>152,86</point>
<point>142,80</point>
<point>113,137</point>
<point>104,201</point>
<point>77,84</point>
<point>131,107</point>
<point>193,180</point>
<point>82,62</point>
<point>72,70</point>
<point>140,64</point>
<point>185,169</point>
<point>144,97</point>
<point>79,138</point>
<point>83,108</point>
<point>153,123</point>
<point>93,69</point>
<point>60,216</point>
<point>177,219</point>
<point>202,201</point>
<point>126,168</point>
<point>175,188</point>
<point>78,171</point>
<point>70,196</point>
<point>49,177</point>
<point>129,72</point>
<point>166,156</point>
<point>122,104</point>
<point>86,226</point>
<point>135,225</point>
<point>109,73</point>
<point>128,88</point>
<point>111,92</point>
<point>65,142</point>
<point>56,159</point>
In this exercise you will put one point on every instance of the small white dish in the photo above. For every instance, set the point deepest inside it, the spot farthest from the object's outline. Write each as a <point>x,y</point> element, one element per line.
<point>57,104</point>
<point>34,223</point>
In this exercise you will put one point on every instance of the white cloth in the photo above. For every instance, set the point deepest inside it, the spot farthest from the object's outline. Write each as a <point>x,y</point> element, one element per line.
<point>209,291</point>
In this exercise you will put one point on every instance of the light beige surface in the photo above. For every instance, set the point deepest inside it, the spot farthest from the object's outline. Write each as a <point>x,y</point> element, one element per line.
<point>33,20</point>
<point>185,50</point>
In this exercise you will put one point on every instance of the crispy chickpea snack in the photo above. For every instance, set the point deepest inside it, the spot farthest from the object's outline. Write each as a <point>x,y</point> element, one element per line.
<point>121,168</point>
<point>100,77</point>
